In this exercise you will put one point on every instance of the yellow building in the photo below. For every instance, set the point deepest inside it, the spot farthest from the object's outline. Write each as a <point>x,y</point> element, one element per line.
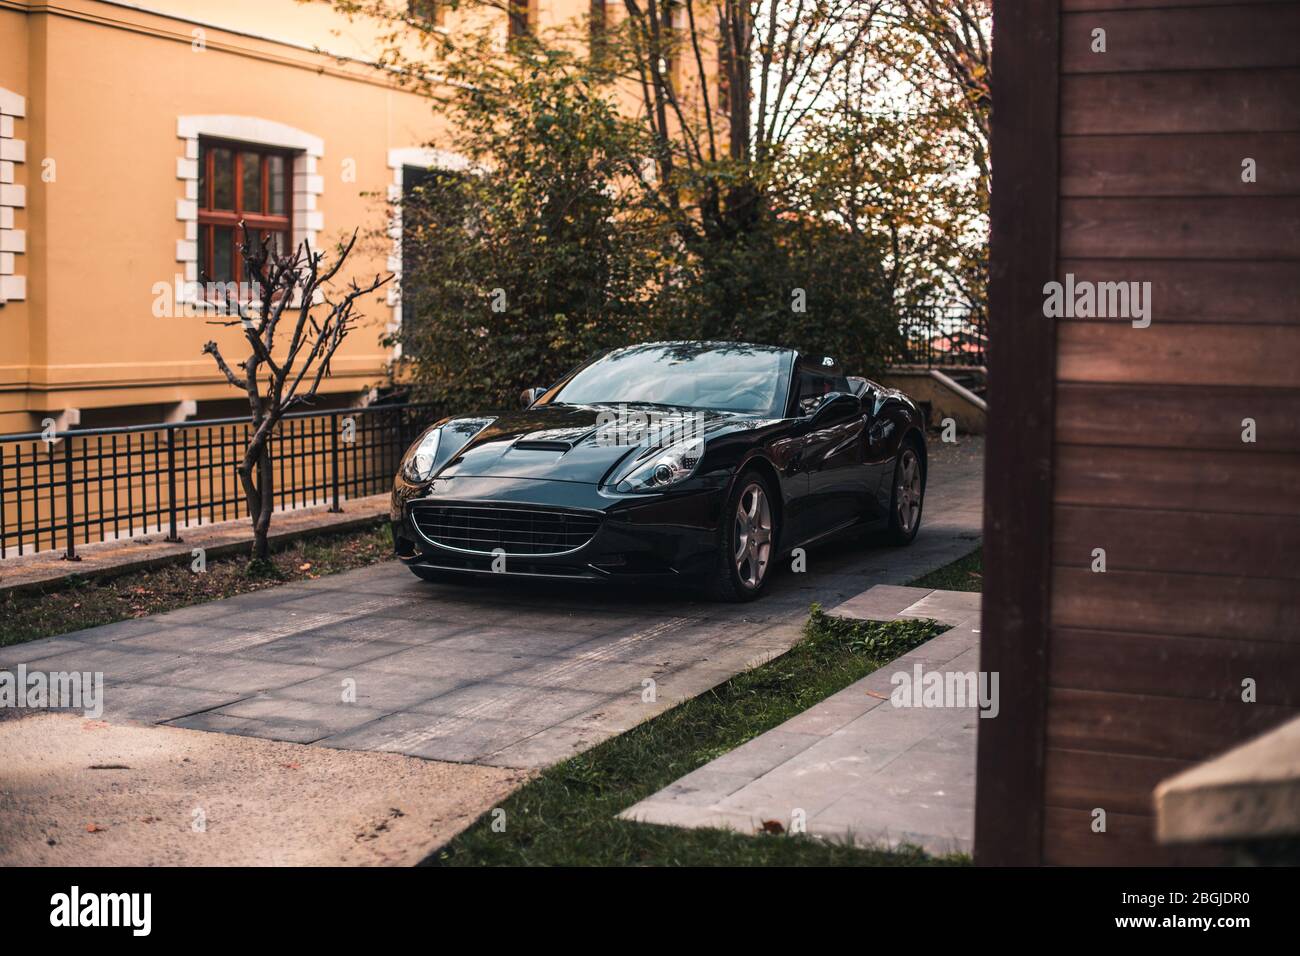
<point>133,136</point>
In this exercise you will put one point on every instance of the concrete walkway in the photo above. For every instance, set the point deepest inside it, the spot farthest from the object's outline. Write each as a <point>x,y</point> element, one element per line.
<point>854,767</point>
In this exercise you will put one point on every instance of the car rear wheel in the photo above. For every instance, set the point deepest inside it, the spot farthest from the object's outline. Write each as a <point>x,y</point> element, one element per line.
<point>746,541</point>
<point>908,494</point>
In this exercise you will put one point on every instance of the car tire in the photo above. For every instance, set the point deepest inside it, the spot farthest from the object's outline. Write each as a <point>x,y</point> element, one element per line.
<point>907,493</point>
<point>747,541</point>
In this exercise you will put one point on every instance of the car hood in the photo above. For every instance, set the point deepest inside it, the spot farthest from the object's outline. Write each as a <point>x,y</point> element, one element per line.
<point>581,443</point>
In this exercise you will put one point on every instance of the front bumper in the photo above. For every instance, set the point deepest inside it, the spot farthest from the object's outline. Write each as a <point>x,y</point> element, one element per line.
<point>671,535</point>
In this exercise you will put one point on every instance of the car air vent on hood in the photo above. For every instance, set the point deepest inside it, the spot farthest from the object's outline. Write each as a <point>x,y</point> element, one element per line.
<point>554,439</point>
<point>527,444</point>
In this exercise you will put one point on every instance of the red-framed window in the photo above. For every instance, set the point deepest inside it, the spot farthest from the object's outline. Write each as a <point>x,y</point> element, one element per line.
<point>240,181</point>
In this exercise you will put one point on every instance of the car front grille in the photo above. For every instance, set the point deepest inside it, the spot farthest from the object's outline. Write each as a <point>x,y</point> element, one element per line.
<point>482,529</point>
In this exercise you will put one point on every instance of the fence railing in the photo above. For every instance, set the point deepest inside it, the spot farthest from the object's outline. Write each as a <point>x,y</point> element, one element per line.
<point>61,489</point>
<point>943,336</point>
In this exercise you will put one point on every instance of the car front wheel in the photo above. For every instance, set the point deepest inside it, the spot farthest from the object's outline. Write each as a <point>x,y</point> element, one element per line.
<point>746,541</point>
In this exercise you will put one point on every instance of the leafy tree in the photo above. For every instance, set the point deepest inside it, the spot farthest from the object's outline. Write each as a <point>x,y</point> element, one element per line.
<point>762,150</point>
<point>518,269</point>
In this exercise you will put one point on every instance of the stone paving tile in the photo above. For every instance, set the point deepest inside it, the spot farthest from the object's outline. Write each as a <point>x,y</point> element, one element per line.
<point>834,712</point>
<point>389,692</point>
<point>434,661</point>
<point>342,602</point>
<point>375,627</point>
<point>618,713</point>
<point>670,650</point>
<point>104,634</point>
<point>753,762</point>
<point>35,651</point>
<point>509,701</point>
<point>324,650</point>
<point>925,797</point>
<point>156,703</point>
<point>530,642</point>
<point>683,683</point>
<point>426,611</point>
<point>946,607</point>
<point>312,720</point>
<point>208,638</point>
<point>959,739</point>
<point>237,675</point>
<point>544,748</point>
<point>123,664</point>
<point>880,603</point>
<point>457,739</point>
<point>282,623</point>
<point>702,787</point>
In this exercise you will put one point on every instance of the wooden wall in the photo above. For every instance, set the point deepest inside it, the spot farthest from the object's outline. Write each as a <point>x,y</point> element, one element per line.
<point>1145,662</point>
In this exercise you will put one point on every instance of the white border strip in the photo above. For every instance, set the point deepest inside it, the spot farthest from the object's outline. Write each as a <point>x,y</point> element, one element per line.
<point>13,241</point>
<point>398,159</point>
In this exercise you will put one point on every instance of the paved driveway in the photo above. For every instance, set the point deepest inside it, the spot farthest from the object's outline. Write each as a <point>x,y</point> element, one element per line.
<point>502,673</point>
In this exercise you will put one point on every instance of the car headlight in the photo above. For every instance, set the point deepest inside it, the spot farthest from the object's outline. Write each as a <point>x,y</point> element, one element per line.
<point>662,467</point>
<point>418,466</point>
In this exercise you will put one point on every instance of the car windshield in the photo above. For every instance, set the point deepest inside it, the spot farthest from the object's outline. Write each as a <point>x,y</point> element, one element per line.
<point>749,379</point>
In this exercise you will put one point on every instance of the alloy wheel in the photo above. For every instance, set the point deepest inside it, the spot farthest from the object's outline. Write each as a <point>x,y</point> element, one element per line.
<point>753,535</point>
<point>907,492</point>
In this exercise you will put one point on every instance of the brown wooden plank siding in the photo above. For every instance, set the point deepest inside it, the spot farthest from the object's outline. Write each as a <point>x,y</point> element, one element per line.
<point>1201,531</point>
<point>1179,164</point>
<point>1240,101</point>
<point>1254,293</point>
<point>1170,417</point>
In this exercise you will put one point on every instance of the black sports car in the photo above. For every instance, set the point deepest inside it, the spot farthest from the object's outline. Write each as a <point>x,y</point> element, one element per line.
<point>696,461</point>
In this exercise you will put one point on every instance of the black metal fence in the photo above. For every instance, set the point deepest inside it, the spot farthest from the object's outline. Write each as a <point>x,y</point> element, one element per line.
<point>61,489</point>
<point>942,336</point>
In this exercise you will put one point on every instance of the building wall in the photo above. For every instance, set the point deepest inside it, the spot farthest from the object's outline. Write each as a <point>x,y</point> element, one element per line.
<point>1137,672</point>
<point>105,85</point>
<point>15,214</point>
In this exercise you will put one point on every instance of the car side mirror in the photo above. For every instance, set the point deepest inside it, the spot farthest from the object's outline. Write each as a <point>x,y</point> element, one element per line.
<point>835,409</point>
<point>530,395</point>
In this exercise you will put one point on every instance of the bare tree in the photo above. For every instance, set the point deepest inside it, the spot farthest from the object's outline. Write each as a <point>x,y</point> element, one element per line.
<point>957,72</point>
<point>279,376</point>
<point>775,61</point>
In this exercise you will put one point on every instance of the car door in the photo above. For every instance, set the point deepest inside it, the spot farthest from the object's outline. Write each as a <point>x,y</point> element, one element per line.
<point>879,447</point>
<point>830,453</point>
